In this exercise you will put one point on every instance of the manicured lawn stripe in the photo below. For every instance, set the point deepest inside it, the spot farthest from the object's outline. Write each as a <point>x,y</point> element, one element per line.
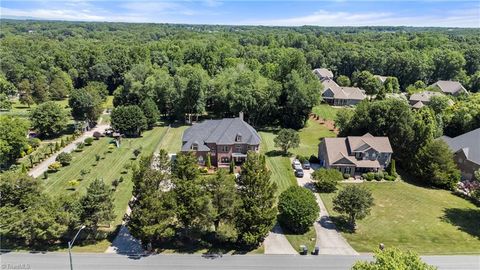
<point>326,111</point>
<point>172,141</point>
<point>310,137</point>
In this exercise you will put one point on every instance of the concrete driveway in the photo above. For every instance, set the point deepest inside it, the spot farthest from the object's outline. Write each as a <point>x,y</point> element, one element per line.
<point>329,240</point>
<point>277,243</point>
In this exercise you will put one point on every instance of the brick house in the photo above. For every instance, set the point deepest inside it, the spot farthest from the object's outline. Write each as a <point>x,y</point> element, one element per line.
<point>224,140</point>
<point>355,154</point>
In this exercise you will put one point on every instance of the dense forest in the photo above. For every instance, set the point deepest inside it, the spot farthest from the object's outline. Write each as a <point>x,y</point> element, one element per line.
<point>222,70</point>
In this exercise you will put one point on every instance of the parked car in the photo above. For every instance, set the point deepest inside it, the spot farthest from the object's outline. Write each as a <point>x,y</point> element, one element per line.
<point>306,165</point>
<point>295,163</point>
<point>299,172</point>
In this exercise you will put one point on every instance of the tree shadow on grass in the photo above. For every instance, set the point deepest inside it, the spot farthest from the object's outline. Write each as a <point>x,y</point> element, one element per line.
<point>341,224</point>
<point>465,219</point>
<point>275,153</point>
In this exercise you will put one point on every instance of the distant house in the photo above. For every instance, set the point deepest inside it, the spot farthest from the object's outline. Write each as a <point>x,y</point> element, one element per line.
<point>467,152</point>
<point>336,95</point>
<point>355,154</point>
<point>323,73</point>
<point>382,79</point>
<point>418,100</point>
<point>224,140</point>
<point>453,88</point>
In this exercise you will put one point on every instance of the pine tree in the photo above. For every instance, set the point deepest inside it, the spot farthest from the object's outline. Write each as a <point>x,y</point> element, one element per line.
<point>257,214</point>
<point>392,170</point>
<point>209,161</point>
<point>232,166</point>
<point>97,205</point>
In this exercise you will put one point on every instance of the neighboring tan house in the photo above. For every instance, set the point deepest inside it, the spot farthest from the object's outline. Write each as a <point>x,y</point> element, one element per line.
<point>224,140</point>
<point>323,73</point>
<point>355,154</point>
<point>450,87</point>
<point>336,95</point>
<point>466,148</point>
<point>418,100</point>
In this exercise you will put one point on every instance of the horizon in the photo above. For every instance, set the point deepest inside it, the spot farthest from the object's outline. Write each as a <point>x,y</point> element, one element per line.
<point>337,13</point>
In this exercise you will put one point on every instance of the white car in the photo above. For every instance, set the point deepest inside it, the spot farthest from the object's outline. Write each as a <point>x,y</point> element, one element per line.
<point>296,163</point>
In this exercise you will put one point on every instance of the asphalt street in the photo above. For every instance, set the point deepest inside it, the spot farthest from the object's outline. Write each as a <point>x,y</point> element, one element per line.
<point>82,261</point>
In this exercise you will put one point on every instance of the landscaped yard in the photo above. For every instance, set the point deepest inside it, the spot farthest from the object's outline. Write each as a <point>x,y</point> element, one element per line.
<point>172,141</point>
<point>310,137</point>
<point>110,167</point>
<point>326,111</point>
<point>308,239</point>
<point>282,173</point>
<point>21,110</point>
<point>409,217</point>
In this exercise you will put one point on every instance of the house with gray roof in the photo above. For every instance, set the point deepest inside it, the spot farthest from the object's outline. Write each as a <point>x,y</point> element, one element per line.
<point>336,95</point>
<point>323,73</point>
<point>453,88</point>
<point>381,78</point>
<point>466,148</point>
<point>355,154</point>
<point>418,100</point>
<point>224,140</point>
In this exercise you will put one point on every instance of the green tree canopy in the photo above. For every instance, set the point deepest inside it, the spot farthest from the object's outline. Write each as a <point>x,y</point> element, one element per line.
<point>298,209</point>
<point>353,201</point>
<point>49,119</point>
<point>128,120</point>
<point>286,139</point>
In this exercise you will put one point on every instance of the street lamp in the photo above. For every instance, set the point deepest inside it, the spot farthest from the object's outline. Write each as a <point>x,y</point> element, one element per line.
<point>70,245</point>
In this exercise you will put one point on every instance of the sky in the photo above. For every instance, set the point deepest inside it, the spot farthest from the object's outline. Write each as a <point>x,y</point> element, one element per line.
<point>247,12</point>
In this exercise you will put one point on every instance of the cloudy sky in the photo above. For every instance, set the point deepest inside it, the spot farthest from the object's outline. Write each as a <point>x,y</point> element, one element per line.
<point>248,12</point>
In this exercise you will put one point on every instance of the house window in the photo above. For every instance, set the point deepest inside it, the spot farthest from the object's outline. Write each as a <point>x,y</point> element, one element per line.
<point>238,138</point>
<point>224,148</point>
<point>374,155</point>
<point>238,148</point>
<point>225,160</point>
<point>366,154</point>
<point>194,147</point>
<point>348,170</point>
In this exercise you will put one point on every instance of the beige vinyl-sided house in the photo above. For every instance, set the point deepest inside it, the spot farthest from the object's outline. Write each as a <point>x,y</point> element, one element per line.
<point>355,154</point>
<point>336,95</point>
<point>224,140</point>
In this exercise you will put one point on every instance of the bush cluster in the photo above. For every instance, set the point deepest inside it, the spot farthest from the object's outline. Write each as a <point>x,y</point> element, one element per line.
<point>297,209</point>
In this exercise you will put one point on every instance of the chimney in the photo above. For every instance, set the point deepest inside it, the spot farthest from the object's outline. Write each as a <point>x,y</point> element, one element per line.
<point>240,115</point>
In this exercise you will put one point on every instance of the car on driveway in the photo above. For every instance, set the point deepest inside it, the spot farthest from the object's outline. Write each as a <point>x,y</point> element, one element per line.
<point>306,165</point>
<point>299,172</point>
<point>296,163</point>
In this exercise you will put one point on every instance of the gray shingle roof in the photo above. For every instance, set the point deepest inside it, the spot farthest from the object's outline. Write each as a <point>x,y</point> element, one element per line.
<point>323,73</point>
<point>424,96</point>
<point>222,132</point>
<point>343,92</point>
<point>450,87</point>
<point>469,143</point>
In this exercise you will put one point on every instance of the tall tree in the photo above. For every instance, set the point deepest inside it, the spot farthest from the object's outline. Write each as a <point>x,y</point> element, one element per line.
<point>97,205</point>
<point>86,106</point>
<point>257,213</point>
<point>286,139</point>
<point>353,201</point>
<point>49,119</point>
<point>150,111</point>
<point>12,138</point>
<point>129,120</point>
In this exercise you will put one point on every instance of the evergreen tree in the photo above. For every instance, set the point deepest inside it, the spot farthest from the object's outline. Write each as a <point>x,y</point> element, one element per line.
<point>97,205</point>
<point>150,111</point>
<point>185,166</point>
<point>256,215</point>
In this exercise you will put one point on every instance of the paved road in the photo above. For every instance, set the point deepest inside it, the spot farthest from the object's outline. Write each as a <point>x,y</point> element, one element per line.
<point>277,243</point>
<point>59,261</point>
<point>329,240</point>
<point>43,166</point>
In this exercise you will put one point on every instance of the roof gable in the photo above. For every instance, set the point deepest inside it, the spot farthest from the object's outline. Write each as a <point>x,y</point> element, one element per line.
<point>469,143</point>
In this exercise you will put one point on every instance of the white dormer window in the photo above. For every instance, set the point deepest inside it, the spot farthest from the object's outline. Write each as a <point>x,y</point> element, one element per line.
<point>374,155</point>
<point>238,138</point>
<point>194,146</point>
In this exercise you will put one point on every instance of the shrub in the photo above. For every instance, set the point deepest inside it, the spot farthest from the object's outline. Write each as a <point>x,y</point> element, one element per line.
<point>57,146</point>
<point>326,179</point>
<point>370,176</point>
<point>297,209</point>
<point>80,147</point>
<point>391,168</point>
<point>120,179</point>
<point>378,176</point>
<point>203,170</point>
<point>34,142</point>
<point>390,178</point>
<point>64,158</point>
<point>97,157</point>
<point>55,166</point>
<point>73,184</point>
<point>88,141</point>
<point>137,152</point>
<point>62,143</point>
<point>115,183</point>
<point>302,159</point>
<point>313,159</point>
<point>346,176</point>
<point>45,175</point>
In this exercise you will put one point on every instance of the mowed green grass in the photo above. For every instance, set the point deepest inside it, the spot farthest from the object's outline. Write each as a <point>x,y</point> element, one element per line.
<point>110,167</point>
<point>326,111</point>
<point>172,141</point>
<point>282,174</point>
<point>308,239</point>
<point>21,110</point>
<point>310,137</point>
<point>409,217</point>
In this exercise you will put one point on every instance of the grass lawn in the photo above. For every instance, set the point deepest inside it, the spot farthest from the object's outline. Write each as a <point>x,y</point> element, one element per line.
<point>172,141</point>
<point>279,165</point>
<point>110,167</point>
<point>302,239</point>
<point>21,110</point>
<point>310,137</point>
<point>409,217</point>
<point>326,111</point>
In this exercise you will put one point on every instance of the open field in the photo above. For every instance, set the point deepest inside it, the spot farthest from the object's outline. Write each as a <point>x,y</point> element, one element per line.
<point>326,111</point>
<point>409,217</point>
<point>110,167</point>
<point>310,137</point>
<point>279,165</point>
